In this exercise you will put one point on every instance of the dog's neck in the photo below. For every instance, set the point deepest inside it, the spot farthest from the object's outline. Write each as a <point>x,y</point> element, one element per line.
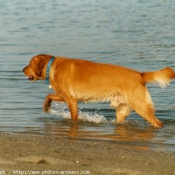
<point>48,71</point>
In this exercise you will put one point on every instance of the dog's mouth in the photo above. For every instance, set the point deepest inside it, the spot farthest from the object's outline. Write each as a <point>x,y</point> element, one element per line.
<point>31,77</point>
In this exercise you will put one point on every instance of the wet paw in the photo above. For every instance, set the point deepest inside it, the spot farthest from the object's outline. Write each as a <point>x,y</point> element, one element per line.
<point>46,108</point>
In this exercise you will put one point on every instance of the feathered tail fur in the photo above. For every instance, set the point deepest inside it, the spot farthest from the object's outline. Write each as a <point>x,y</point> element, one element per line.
<point>162,77</point>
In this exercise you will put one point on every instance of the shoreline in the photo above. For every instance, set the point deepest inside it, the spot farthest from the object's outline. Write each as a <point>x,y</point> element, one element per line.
<point>31,154</point>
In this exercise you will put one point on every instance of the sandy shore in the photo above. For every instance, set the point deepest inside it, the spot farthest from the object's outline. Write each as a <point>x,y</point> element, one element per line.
<point>28,154</point>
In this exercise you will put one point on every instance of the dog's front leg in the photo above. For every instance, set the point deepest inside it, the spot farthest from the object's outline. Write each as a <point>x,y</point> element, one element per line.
<point>73,107</point>
<point>48,100</point>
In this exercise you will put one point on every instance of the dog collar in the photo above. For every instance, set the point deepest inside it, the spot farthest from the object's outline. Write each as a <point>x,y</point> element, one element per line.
<point>48,71</point>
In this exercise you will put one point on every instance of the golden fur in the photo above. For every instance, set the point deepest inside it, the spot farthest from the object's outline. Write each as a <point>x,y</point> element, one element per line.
<point>76,80</point>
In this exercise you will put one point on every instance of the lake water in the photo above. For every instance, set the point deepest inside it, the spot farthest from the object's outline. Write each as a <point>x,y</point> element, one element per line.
<point>139,34</point>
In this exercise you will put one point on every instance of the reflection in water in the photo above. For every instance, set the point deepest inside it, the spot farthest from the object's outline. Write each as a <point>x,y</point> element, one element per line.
<point>125,134</point>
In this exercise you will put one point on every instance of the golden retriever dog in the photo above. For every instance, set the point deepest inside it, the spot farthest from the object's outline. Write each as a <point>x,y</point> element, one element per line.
<point>76,80</point>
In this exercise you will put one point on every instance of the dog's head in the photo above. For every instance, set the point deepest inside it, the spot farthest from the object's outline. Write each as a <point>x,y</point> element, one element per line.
<point>36,70</point>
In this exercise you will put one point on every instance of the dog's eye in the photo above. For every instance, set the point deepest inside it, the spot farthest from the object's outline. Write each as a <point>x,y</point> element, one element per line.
<point>40,73</point>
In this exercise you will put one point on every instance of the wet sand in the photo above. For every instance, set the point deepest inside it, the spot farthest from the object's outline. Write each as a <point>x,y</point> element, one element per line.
<point>28,154</point>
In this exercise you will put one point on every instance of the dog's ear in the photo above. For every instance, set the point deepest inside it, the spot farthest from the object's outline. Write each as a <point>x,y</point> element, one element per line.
<point>39,61</point>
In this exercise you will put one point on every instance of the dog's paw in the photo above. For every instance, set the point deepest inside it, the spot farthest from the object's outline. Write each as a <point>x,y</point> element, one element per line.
<point>47,104</point>
<point>46,108</point>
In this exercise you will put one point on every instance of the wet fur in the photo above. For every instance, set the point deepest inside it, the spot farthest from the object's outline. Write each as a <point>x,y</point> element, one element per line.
<point>76,80</point>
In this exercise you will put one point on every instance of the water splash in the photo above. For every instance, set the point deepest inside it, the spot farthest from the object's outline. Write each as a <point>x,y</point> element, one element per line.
<point>60,109</point>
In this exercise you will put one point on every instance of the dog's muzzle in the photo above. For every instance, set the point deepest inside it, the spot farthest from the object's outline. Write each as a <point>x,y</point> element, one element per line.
<point>31,77</point>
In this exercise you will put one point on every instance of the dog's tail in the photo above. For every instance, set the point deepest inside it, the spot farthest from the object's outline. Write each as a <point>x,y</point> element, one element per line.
<point>162,77</point>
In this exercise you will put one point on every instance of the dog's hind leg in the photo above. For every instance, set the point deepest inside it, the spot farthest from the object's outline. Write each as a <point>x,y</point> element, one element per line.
<point>122,111</point>
<point>143,105</point>
<point>147,112</point>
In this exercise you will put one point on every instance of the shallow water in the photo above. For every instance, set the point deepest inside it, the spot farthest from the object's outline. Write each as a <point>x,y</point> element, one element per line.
<point>138,34</point>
